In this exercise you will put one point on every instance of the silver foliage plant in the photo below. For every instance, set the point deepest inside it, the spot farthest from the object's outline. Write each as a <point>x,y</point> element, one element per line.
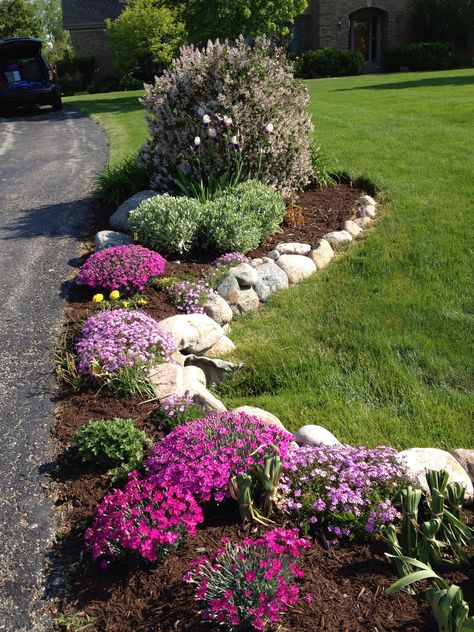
<point>253,90</point>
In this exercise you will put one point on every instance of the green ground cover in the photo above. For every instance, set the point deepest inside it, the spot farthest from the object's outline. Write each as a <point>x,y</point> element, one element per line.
<point>379,347</point>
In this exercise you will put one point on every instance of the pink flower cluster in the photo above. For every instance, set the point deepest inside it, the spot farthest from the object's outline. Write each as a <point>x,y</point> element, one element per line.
<point>115,339</point>
<point>231,258</point>
<point>142,518</point>
<point>346,491</point>
<point>202,455</point>
<point>127,268</point>
<point>249,584</point>
<point>190,296</point>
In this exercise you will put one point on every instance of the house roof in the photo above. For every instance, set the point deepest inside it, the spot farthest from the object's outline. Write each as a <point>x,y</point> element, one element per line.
<point>90,12</point>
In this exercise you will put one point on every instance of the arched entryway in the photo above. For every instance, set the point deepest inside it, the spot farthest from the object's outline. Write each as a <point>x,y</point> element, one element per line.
<point>367,34</point>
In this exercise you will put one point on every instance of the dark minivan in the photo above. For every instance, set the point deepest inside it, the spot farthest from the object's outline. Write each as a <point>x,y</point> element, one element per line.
<point>26,78</point>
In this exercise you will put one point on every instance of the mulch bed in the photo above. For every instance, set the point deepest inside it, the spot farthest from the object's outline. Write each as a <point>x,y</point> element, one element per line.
<point>346,582</point>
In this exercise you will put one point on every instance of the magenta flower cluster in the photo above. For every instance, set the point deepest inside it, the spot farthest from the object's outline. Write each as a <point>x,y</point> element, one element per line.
<point>230,259</point>
<point>346,491</point>
<point>127,268</point>
<point>249,584</point>
<point>202,455</point>
<point>190,296</point>
<point>142,518</point>
<point>115,339</point>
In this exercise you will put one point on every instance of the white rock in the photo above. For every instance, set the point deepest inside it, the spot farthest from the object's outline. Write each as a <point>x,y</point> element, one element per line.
<point>264,415</point>
<point>177,358</point>
<point>315,435</point>
<point>296,267</point>
<point>193,332</point>
<point>466,459</point>
<point>110,238</point>
<point>418,460</point>
<point>226,329</point>
<point>322,254</point>
<point>362,221</point>
<point>119,220</point>
<point>256,262</point>
<point>223,347</point>
<point>167,379</point>
<point>273,255</point>
<point>193,375</point>
<point>366,200</point>
<point>218,309</point>
<point>293,248</point>
<point>352,228</point>
<point>245,274</point>
<point>241,300</point>
<point>338,238</point>
<point>203,397</point>
<point>368,211</point>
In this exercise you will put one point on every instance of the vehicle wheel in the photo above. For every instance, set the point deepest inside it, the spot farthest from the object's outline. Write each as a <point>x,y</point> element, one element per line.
<point>57,103</point>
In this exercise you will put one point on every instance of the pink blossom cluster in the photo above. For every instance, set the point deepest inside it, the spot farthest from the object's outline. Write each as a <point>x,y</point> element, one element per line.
<point>115,339</point>
<point>346,491</point>
<point>142,518</point>
<point>231,258</point>
<point>127,268</point>
<point>249,584</point>
<point>202,455</point>
<point>190,296</point>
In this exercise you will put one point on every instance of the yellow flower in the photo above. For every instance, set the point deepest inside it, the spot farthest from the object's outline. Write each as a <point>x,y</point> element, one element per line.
<point>114,295</point>
<point>124,303</point>
<point>98,298</point>
<point>142,301</point>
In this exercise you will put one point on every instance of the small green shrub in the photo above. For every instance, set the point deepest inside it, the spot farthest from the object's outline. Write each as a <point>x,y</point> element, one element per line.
<point>422,56</point>
<point>120,181</point>
<point>167,224</point>
<point>322,176</point>
<point>115,444</point>
<point>328,62</point>
<point>75,72</point>
<point>241,219</point>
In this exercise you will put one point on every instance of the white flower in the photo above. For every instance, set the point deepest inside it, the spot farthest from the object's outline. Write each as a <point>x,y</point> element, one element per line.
<point>212,132</point>
<point>200,112</point>
<point>227,120</point>
<point>234,140</point>
<point>269,128</point>
<point>197,141</point>
<point>206,119</point>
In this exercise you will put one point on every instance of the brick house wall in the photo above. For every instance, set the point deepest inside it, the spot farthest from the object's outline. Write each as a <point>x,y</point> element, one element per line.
<point>94,41</point>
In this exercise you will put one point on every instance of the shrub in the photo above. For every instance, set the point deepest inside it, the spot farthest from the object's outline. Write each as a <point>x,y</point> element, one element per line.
<point>144,519</point>
<point>247,585</point>
<point>176,410</point>
<point>115,444</point>
<point>346,491</point>
<point>423,56</point>
<point>75,72</point>
<point>120,181</point>
<point>126,268</point>
<point>242,218</point>
<point>167,223</point>
<point>190,296</point>
<point>117,339</point>
<point>328,62</point>
<point>203,455</point>
<point>253,87</point>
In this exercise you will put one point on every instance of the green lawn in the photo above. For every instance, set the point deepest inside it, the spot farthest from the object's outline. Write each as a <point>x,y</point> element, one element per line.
<point>378,348</point>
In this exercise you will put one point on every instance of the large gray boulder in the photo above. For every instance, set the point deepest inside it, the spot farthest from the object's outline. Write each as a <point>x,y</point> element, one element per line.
<point>264,415</point>
<point>296,267</point>
<point>338,238</point>
<point>119,220</point>
<point>109,238</point>
<point>271,278</point>
<point>218,309</point>
<point>293,248</point>
<point>245,274</point>
<point>192,332</point>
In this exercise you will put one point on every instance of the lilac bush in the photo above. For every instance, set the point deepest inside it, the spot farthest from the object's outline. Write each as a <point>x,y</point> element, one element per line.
<point>127,268</point>
<point>249,584</point>
<point>117,339</point>
<point>202,455</point>
<point>143,518</point>
<point>190,296</point>
<point>244,102</point>
<point>346,491</point>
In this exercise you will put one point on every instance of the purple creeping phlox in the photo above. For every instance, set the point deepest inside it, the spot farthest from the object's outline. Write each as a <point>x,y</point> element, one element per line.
<point>202,455</point>
<point>231,258</point>
<point>119,338</point>
<point>345,491</point>
<point>190,296</point>
<point>249,584</point>
<point>143,518</point>
<point>127,268</point>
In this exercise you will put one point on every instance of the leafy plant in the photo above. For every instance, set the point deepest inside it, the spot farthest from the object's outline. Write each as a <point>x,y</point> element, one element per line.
<point>328,62</point>
<point>322,174</point>
<point>116,444</point>
<point>119,181</point>
<point>76,622</point>
<point>132,381</point>
<point>176,410</point>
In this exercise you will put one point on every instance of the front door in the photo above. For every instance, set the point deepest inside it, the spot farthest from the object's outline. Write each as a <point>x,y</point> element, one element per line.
<point>365,35</point>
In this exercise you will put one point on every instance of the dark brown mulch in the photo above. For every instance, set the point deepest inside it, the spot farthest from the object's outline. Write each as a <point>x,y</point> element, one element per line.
<point>347,583</point>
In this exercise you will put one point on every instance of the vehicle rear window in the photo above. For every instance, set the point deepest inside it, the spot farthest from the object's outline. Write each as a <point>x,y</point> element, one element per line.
<point>23,72</point>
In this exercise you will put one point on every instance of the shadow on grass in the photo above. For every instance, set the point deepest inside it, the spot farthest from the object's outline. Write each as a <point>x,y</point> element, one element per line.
<point>107,104</point>
<point>419,83</point>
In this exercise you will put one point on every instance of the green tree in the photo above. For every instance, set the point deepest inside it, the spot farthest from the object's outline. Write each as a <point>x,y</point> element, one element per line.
<point>145,36</point>
<point>58,41</point>
<point>443,21</point>
<point>19,18</point>
<point>229,18</point>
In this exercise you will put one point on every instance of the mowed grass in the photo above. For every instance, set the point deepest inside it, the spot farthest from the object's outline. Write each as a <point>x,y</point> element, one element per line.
<point>378,347</point>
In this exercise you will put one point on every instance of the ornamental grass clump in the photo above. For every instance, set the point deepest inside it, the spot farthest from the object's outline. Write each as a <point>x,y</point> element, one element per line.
<point>144,519</point>
<point>345,492</point>
<point>229,104</point>
<point>248,585</point>
<point>203,455</point>
<point>127,268</point>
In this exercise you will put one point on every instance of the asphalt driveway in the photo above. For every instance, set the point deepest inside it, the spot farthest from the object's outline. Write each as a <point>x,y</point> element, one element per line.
<point>47,166</point>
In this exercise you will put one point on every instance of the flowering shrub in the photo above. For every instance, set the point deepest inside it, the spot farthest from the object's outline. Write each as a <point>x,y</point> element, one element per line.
<point>175,410</point>
<point>250,583</point>
<point>203,455</point>
<point>127,267</point>
<point>167,223</point>
<point>347,491</point>
<point>190,296</point>
<point>142,518</point>
<point>117,339</point>
<point>248,97</point>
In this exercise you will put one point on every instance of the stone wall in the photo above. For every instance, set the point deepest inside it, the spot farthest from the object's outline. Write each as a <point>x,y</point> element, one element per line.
<point>93,41</point>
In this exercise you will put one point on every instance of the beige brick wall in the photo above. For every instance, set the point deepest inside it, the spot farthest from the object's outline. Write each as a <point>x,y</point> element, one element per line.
<point>94,42</point>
